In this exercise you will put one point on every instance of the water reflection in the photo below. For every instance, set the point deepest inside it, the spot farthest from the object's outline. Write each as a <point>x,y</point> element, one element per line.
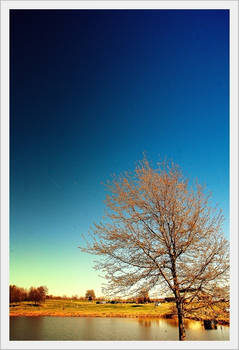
<point>194,325</point>
<point>93,328</point>
<point>144,322</point>
<point>173,322</point>
<point>31,328</point>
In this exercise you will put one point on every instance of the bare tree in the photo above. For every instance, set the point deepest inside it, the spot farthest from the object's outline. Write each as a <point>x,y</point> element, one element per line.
<point>143,297</point>
<point>37,294</point>
<point>34,295</point>
<point>159,231</point>
<point>90,294</point>
<point>17,294</point>
<point>42,290</point>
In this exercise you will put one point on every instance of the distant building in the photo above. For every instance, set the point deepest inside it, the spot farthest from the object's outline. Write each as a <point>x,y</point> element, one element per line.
<point>157,303</point>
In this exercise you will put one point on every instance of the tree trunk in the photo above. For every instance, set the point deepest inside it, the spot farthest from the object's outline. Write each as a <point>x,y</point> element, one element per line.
<point>181,329</point>
<point>179,305</point>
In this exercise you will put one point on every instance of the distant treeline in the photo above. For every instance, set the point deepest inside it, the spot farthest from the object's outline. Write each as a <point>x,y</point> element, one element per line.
<point>133,300</point>
<point>17,294</point>
<point>39,294</point>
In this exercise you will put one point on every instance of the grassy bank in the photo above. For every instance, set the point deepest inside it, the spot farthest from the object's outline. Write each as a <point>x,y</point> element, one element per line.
<point>83,309</point>
<point>73,308</point>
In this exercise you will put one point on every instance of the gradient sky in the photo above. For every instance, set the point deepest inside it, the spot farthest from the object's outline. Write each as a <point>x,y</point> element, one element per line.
<point>91,90</point>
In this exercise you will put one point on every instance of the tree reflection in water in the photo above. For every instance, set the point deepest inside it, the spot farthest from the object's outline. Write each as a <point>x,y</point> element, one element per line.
<point>189,324</point>
<point>31,328</point>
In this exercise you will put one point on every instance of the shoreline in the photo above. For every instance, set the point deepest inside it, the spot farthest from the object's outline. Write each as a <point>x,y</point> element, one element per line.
<point>102,315</point>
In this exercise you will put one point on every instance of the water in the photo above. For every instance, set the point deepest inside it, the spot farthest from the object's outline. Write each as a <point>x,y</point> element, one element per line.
<point>93,328</point>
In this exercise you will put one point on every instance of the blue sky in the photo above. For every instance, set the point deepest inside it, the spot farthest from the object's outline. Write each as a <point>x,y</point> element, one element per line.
<point>90,92</point>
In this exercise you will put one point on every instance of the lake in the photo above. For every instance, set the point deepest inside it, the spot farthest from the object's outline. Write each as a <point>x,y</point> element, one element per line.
<point>93,328</point>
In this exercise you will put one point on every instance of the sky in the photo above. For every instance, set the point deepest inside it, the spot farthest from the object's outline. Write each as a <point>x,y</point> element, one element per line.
<point>90,91</point>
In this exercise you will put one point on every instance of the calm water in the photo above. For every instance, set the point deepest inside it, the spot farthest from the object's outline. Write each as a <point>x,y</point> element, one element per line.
<point>93,328</point>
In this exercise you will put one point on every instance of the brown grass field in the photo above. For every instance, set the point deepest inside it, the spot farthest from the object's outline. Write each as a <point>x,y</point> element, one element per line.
<point>74,308</point>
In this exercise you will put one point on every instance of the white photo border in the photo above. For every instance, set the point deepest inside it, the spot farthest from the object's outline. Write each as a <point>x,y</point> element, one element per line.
<point>6,6</point>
